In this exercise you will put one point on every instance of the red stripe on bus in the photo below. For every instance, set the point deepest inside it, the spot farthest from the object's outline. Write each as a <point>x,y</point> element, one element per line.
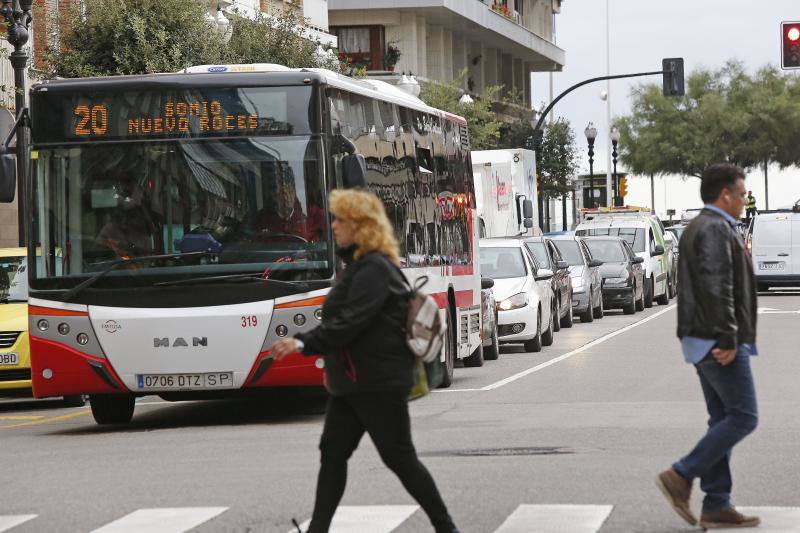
<point>463,299</point>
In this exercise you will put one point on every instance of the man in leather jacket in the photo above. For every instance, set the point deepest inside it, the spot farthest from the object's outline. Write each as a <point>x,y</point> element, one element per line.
<point>717,326</point>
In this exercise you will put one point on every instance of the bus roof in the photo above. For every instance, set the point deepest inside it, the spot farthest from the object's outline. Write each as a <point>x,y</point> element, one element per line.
<point>249,75</point>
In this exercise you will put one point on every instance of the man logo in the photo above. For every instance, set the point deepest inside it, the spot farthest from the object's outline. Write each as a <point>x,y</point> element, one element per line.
<point>179,342</point>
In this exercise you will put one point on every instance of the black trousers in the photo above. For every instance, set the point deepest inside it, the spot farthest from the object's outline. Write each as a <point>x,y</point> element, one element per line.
<point>384,415</point>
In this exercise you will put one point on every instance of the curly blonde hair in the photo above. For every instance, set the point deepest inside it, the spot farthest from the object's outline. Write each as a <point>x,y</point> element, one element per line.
<point>366,216</point>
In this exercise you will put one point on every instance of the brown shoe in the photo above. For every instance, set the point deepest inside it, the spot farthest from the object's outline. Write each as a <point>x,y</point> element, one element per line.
<point>677,490</point>
<point>728,517</point>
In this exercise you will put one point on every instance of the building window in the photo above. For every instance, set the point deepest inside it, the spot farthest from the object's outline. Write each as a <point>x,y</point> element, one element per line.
<point>361,45</point>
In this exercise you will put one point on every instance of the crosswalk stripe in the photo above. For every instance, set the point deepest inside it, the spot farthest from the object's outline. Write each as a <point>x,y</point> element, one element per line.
<point>775,519</point>
<point>367,518</point>
<point>164,520</point>
<point>9,521</point>
<point>556,519</point>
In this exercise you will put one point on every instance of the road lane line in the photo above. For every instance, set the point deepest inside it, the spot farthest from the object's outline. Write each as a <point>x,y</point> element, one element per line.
<point>164,520</point>
<point>775,519</point>
<point>592,344</point>
<point>9,521</point>
<point>21,417</point>
<point>367,518</point>
<point>556,519</point>
<point>48,420</point>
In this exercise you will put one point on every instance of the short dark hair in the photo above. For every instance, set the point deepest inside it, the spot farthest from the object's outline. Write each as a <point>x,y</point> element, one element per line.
<point>717,177</point>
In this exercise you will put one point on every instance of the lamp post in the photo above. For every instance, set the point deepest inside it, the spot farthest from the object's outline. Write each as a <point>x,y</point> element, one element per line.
<point>18,17</point>
<point>591,135</point>
<point>219,21</point>
<point>614,142</point>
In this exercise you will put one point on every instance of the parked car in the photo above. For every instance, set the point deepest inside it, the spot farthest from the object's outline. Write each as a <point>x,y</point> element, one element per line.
<point>623,275</point>
<point>523,292</point>
<point>15,359</point>
<point>689,214</point>
<point>587,283</point>
<point>645,237</point>
<point>671,248</point>
<point>775,248</point>
<point>548,256</point>
<point>491,345</point>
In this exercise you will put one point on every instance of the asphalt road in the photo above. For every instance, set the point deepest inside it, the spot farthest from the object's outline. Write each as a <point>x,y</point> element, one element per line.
<point>568,438</point>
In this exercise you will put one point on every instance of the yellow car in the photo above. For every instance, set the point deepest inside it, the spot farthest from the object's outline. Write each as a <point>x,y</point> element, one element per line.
<point>15,354</point>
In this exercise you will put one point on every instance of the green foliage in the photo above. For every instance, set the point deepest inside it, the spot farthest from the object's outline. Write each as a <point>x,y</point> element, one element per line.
<point>726,115</point>
<point>559,159</point>
<point>112,37</point>
<point>484,126</point>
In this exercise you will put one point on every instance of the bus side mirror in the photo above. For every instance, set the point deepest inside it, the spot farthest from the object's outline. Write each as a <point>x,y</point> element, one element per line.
<point>8,175</point>
<point>354,171</point>
<point>527,209</point>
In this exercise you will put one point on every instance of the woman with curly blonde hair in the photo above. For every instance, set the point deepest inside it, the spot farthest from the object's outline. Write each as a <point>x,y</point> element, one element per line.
<point>369,369</point>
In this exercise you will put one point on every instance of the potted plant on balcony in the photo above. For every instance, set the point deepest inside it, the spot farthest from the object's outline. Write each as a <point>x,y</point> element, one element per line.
<point>391,57</point>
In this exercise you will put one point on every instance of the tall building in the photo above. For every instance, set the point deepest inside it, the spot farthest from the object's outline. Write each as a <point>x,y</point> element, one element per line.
<point>499,42</point>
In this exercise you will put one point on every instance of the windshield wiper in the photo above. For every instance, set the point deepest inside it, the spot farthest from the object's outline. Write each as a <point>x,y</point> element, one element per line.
<point>236,277</point>
<point>116,263</point>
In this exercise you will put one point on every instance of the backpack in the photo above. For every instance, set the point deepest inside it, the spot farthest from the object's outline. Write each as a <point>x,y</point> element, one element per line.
<point>424,328</point>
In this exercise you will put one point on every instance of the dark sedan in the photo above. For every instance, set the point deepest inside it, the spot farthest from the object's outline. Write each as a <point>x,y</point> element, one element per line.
<point>622,272</point>
<point>549,257</point>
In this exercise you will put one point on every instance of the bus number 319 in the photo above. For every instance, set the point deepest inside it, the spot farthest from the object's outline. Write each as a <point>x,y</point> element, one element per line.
<point>249,321</point>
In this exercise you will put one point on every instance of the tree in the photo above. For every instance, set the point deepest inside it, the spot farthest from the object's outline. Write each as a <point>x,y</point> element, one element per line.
<point>558,160</point>
<point>726,115</point>
<point>113,37</point>
<point>484,126</point>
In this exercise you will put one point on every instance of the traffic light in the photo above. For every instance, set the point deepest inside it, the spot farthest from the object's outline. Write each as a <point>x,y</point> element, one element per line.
<point>672,68</point>
<point>790,49</point>
<point>622,187</point>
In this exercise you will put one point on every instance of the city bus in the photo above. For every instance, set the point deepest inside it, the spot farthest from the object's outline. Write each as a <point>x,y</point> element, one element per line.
<point>183,226</point>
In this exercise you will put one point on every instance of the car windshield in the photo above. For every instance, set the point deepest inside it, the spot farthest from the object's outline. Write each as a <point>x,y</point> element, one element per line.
<point>607,251</point>
<point>501,263</point>
<point>255,203</point>
<point>571,252</point>
<point>677,232</point>
<point>538,251</point>
<point>634,236</point>
<point>9,269</point>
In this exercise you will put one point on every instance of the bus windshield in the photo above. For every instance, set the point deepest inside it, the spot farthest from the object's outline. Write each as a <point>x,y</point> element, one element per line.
<point>256,204</point>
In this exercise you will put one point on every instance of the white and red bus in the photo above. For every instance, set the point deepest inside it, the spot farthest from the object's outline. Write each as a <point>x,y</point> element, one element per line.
<point>183,227</point>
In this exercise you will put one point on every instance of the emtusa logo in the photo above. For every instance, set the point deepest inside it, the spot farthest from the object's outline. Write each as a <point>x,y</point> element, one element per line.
<point>217,69</point>
<point>111,326</point>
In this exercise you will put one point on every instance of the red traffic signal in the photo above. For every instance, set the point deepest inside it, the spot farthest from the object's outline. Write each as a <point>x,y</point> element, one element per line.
<point>790,41</point>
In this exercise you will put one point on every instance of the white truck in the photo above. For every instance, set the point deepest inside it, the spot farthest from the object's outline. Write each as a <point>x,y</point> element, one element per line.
<point>505,192</point>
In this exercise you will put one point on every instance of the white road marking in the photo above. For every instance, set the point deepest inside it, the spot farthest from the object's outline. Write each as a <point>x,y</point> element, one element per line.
<point>9,521</point>
<point>776,312</point>
<point>556,519</point>
<point>164,520</point>
<point>774,519</point>
<point>367,518</point>
<point>592,344</point>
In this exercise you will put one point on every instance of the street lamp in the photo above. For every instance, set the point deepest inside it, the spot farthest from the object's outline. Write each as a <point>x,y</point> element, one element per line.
<point>466,99</point>
<point>591,135</point>
<point>18,17</point>
<point>614,142</point>
<point>219,22</point>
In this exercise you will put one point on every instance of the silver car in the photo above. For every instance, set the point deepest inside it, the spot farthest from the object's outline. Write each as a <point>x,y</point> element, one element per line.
<point>587,283</point>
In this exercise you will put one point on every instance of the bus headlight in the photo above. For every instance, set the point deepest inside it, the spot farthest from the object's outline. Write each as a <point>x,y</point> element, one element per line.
<point>43,325</point>
<point>299,319</point>
<point>83,339</point>
<point>63,328</point>
<point>281,331</point>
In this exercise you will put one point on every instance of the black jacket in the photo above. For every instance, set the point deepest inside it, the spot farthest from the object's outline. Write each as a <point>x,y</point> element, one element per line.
<point>716,286</point>
<point>361,334</point>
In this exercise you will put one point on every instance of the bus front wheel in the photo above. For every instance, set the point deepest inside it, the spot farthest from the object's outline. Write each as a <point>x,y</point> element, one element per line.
<point>112,408</point>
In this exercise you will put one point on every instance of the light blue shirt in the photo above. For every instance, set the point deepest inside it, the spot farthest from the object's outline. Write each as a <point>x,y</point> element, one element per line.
<point>696,349</point>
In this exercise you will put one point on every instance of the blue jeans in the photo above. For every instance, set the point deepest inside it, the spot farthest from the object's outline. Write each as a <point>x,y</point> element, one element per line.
<point>731,401</point>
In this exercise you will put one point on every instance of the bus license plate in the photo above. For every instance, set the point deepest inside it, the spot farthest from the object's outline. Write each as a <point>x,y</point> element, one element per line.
<point>210,380</point>
<point>771,265</point>
<point>9,359</point>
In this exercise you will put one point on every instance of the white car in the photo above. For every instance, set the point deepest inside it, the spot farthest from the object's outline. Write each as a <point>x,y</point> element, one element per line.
<point>774,242</point>
<point>523,293</point>
<point>644,235</point>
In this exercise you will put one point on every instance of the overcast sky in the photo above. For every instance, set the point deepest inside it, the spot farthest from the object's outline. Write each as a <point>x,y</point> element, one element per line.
<point>706,33</point>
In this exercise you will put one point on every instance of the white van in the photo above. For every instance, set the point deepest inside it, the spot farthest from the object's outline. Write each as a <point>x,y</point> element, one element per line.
<point>774,243</point>
<point>644,235</point>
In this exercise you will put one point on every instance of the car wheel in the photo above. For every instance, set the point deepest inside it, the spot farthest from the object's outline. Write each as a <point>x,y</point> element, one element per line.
<point>671,287</point>
<point>492,352</point>
<point>76,400</point>
<point>664,298</point>
<point>630,307</point>
<point>598,311</point>
<point>588,316</point>
<point>449,363</point>
<point>547,336</point>
<point>557,319</point>
<point>535,344</point>
<point>568,319</point>
<point>648,293</point>
<point>112,408</point>
<point>477,357</point>
<point>640,301</point>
